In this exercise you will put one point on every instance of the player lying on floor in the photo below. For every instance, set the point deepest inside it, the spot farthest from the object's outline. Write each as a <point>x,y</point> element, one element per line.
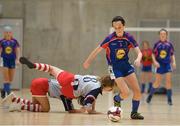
<point>40,87</point>
<point>87,87</point>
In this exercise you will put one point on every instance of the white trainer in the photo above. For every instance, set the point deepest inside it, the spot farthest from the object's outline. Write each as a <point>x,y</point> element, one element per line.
<point>15,107</point>
<point>8,99</point>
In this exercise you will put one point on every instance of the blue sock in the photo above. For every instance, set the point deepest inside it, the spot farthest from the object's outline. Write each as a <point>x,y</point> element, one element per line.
<point>135,105</point>
<point>143,87</point>
<point>150,86</point>
<point>117,100</point>
<point>7,87</point>
<point>169,94</point>
<point>152,91</point>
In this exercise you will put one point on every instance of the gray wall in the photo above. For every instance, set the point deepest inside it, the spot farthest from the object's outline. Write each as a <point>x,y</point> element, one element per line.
<point>64,32</point>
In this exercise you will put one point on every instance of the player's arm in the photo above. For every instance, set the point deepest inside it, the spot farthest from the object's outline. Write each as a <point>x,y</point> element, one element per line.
<point>137,62</point>
<point>89,105</point>
<point>156,64</point>
<point>17,54</point>
<point>68,105</point>
<point>91,57</point>
<point>173,61</point>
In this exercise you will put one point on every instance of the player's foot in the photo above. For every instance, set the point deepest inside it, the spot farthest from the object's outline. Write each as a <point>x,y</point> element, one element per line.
<point>117,100</point>
<point>3,94</point>
<point>148,100</point>
<point>170,102</point>
<point>8,99</point>
<point>15,107</point>
<point>24,60</point>
<point>136,115</point>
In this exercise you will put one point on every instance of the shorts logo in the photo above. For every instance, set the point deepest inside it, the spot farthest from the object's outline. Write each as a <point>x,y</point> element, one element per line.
<point>8,50</point>
<point>163,54</point>
<point>120,53</point>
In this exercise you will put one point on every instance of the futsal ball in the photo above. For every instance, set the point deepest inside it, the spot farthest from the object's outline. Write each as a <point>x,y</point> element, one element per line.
<point>114,114</point>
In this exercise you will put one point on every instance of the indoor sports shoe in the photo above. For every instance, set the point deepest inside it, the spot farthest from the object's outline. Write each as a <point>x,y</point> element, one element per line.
<point>170,102</point>
<point>148,100</point>
<point>15,107</point>
<point>136,115</point>
<point>3,94</point>
<point>24,60</point>
<point>8,99</point>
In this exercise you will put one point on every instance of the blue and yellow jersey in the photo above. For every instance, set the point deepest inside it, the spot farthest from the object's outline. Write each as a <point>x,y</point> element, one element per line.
<point>117,48</point>
<point>163,51</point>
<point>8,48</point>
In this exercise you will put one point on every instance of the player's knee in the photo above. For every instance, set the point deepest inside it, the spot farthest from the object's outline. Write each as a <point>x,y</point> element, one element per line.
<point>124,94</point>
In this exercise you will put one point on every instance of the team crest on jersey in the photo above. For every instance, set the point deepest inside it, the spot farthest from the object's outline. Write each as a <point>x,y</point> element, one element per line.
<point>163,54</point>
<point>8,50</point>
<point>120,53</point>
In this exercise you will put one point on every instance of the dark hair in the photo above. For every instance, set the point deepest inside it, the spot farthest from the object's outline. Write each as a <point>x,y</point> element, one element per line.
<point>163,30</point>
<point>118,18</point>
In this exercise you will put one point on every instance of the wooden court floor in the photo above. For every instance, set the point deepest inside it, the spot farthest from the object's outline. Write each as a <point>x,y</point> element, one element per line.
<point>156,113</point>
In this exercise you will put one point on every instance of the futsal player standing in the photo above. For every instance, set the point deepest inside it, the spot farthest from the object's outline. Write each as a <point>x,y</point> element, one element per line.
<point>164,61</point>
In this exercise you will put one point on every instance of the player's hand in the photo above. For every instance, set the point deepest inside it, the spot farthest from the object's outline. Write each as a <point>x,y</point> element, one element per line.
<point>156,64</point>
<point>17,62</point>
<point>137,63</point>
<point>86,65</point>
<point>174,65</point>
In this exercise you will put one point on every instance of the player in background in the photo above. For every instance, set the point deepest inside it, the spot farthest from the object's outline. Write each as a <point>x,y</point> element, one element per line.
<point>163,58</point>
<point>73,86</point>
<point>10,53</point>
<point>40,87</point>
<point>146,70</point>
<point>117,46</point>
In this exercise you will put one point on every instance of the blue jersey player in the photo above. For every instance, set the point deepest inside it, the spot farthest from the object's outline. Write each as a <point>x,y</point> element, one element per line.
<point>9,50</point>
<point>117,46</point>
<point>164,59</point>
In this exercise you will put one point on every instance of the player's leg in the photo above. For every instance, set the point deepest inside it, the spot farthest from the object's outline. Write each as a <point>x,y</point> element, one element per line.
<point>123,89</point>
<point>143,81</point>
<point>169,87</point>
<point>156,84</point>
<point>11,76</point>
<point>133,83</point>
<point>6,85</point>
<point>41,67</point>
<point>149,80</point>
<point>39,104</point>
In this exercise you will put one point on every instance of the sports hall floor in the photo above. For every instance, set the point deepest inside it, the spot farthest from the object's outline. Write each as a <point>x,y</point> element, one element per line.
<point>157,113</point>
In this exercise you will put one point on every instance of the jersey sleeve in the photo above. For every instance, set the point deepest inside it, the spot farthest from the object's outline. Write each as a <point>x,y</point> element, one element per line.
<point>154,50</point>
<point>91,97</point>
<point>104,43</point>
<point>172,49</point>
<point>133,42</point>
<point>17,43</point>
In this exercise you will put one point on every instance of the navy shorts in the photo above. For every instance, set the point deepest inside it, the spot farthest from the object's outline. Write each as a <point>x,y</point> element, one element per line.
<point>121,70</point>
<point>9,63</point>
<point>164,68</point>
<point>146,68</point>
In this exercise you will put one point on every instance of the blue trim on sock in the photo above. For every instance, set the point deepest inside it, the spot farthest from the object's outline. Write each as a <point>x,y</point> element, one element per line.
<point>152,91</point>
<point>7,87</point>
<point>169,94</point>
<point>135,105</point>
<point>150,85</point>
<point>117,98</point>
<point>143,86</point>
